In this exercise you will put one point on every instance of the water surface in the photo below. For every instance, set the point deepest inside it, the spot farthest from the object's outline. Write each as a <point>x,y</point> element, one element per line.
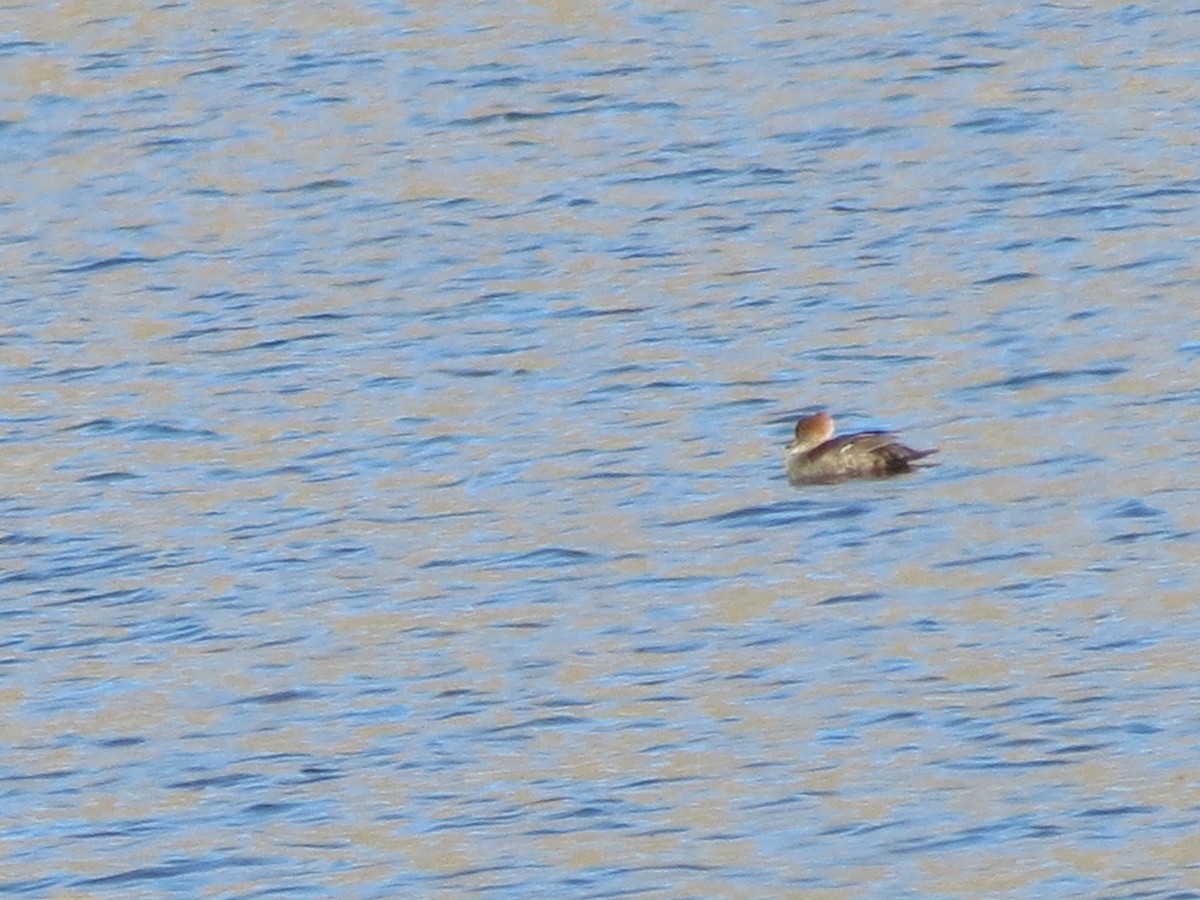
<point>393,415</point>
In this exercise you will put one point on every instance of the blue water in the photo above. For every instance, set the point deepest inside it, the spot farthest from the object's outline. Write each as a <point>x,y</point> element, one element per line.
<point>393,416</point>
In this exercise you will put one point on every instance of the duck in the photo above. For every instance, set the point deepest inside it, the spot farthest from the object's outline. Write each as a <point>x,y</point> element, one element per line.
<point>815,456</point>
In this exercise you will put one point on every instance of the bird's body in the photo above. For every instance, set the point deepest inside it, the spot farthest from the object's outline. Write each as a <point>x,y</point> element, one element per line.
<point>815,456</point>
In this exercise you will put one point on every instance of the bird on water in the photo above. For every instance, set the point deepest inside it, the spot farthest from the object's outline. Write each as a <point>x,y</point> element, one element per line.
<point>815,456</point>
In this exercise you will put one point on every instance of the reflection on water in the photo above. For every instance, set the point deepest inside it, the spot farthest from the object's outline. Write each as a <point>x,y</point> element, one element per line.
<point>394,432</point>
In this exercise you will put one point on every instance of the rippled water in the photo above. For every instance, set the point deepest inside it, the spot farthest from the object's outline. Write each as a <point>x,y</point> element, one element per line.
<point>393,414</point>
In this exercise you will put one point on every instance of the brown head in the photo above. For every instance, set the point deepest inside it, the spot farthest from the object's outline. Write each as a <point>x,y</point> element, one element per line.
<point>812,431</point>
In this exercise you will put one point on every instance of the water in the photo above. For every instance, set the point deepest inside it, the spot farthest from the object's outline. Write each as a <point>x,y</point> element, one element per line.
<point>393,414</point>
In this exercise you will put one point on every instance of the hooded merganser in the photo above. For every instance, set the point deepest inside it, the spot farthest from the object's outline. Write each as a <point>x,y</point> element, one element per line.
<point>815,456</point>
